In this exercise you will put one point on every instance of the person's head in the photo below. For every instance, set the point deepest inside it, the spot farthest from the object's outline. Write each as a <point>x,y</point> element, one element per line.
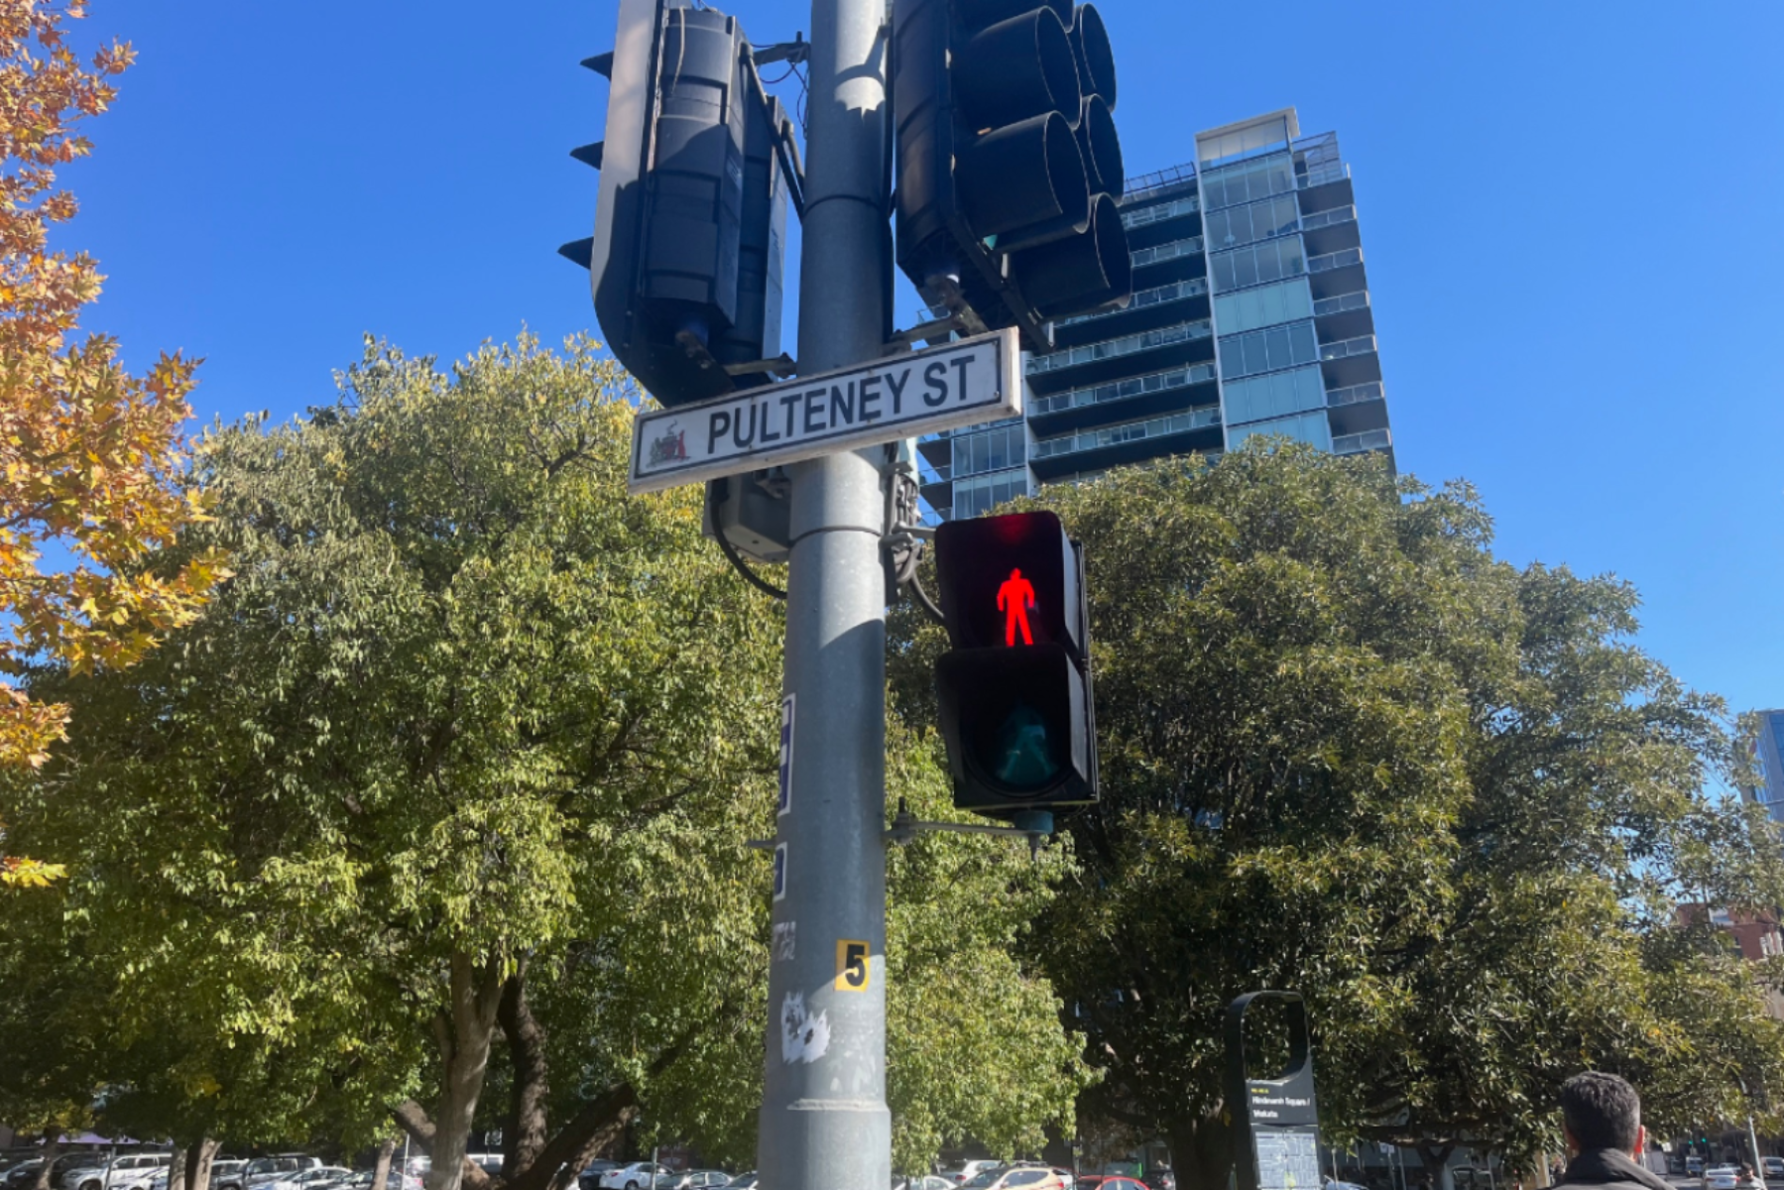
<point>1601,1111</point>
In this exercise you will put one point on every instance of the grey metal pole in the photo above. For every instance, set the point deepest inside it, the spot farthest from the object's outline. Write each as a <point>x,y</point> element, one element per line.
<point>824,1123</point>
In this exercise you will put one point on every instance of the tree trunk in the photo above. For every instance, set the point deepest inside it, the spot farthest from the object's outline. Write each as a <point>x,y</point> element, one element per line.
<point>1201,1151</point>
<point>464,1032</point>
<point>198,1164</point>
<point>176,1168</point>
<point>595,1128</point>
<point>413,1119</point>
<point>597,1125</point>
<point>526,1134</point>
<point>381,1167</point>
<point>1435,1159</point>
<point>52,1149</point>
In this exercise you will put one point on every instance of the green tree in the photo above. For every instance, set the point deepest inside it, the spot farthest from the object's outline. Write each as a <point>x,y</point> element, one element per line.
<point>1346,750</point>
<point>443,805</point>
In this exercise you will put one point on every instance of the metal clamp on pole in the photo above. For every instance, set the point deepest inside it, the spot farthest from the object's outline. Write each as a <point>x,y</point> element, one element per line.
<point>905,827</point>
<point>905,537</point>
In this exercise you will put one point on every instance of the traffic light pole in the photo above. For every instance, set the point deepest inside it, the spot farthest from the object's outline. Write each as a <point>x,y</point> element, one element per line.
<point>824,1123</point>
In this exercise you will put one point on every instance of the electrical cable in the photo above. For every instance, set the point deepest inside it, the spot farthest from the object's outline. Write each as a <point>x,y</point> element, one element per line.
<point>731,553</point>
<point>799,109</point>
<point>924,601</point>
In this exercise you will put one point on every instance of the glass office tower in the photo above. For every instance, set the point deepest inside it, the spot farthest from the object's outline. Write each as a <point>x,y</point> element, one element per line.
<point>1251,315</point>
<point>1769,763</point>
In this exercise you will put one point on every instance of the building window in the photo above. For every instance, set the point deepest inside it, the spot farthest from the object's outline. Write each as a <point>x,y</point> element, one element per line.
<point>1254,221</point>
<point>992,450</point>
<point>1277,395</point>
<point>1270,261</point>
<point>1311,428</point>
<point>984,493</point>
<point>1266,305</point>
<point>1247,182</point>
<point>1267,350</point>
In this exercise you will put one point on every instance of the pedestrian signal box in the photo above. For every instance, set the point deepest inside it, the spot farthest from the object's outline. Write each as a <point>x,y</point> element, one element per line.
<point>1015,691</point>
<point>1277,1128</point>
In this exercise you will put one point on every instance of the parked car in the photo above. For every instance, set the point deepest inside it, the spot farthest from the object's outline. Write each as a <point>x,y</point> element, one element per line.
<point>926,1182</point>
<point>639,1175</point>
<point>590,1177</point>
<point>361,1179</point>
<point>25,1172</point>
<point>1773,1167</point>
<point>970,1170</point>
<point>120,1171</point>
<point>279,1166</point>
<point>703,1179</point>
<point>1109,1182</point>
<point>744,1181</point>
<point>308,1179</point>
<point>1720,1177</point>
<point>1015,1177</point>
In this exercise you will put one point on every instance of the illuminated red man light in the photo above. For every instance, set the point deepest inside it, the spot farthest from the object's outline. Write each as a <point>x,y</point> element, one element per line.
<point>1015,597</point>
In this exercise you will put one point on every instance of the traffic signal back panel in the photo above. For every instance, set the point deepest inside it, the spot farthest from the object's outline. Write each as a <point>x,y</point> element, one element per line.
<point>1009,164</point>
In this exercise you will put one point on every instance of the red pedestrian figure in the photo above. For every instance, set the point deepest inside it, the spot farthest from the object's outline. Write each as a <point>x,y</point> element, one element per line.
<point>1015,597</point>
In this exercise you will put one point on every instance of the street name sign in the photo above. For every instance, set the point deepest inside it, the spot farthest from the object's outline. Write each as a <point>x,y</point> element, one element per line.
<point>964,383</point>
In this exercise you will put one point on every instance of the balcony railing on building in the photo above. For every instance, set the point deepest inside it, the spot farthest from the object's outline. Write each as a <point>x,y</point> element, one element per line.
<point>1184,332</point>
<point>1177,291</point>
<point>1351,444</point>
<point>1163,179</point>
<point>1362,345</point>
<point>1117,390</point>
<point>1335,260</point>
<point>1329,218</point>
<point>1164,252</point>
<point>1177,423</point>
<point>1353,394</point>
<point>1356,300</point>
<point>1320,157</point>
<point>1160,212</point>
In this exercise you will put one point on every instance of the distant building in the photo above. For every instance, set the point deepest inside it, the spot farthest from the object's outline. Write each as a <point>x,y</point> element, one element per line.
<point>1251,315</point>
<point>1756,936</point>
<point>1767,747</point>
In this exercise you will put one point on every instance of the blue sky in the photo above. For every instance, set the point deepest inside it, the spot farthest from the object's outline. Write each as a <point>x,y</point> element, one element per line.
<point>1571,214</point>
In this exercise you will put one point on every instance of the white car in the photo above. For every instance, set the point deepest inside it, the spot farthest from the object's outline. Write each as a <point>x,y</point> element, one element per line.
<point>1720,1177</point>
<point>123,1171</point>
<point>1772,1167</point>
<point>322,1175</point>
<point>640,1175</point>
<point>970,1170</point>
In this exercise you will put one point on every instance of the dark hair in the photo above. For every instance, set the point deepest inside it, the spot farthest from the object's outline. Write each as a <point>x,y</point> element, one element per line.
<point>1602,1111</point>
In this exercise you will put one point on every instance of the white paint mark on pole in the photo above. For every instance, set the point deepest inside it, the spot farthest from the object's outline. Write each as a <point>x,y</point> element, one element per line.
<point>784,802</point>
<point>966,383</point>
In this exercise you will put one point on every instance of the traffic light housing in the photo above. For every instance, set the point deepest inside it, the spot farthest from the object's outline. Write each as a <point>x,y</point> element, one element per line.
<point>691,220</point>
<point>1009,163</point>
<point>1014,693</point>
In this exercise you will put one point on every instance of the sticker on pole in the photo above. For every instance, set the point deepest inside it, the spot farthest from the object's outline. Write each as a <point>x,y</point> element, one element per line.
<point>780,870</point>
<point>852,965</point>
<point>784,799</point>
<point>965,383</point>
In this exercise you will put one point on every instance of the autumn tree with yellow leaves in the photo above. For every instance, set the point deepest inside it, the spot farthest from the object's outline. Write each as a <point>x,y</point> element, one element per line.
<point>89,454</point>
